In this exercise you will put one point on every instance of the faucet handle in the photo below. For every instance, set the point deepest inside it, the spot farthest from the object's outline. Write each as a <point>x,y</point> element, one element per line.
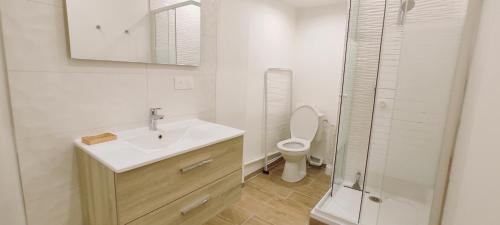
<point>154,111</point>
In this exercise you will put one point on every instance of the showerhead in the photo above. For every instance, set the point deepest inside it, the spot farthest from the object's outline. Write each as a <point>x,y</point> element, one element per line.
<point>407,5</point>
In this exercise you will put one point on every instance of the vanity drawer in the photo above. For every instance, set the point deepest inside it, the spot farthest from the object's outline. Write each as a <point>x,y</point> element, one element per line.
<point>199,206</point>
<point>146,189</point>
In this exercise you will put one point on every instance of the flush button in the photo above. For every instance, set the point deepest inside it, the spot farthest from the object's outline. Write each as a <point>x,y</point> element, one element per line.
<point>184,83</point>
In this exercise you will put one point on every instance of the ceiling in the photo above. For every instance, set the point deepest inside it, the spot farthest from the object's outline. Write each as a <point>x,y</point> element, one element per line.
<point>311,3</point>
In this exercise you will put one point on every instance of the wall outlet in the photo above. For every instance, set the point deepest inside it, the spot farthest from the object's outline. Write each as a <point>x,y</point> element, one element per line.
<point>184,83</point>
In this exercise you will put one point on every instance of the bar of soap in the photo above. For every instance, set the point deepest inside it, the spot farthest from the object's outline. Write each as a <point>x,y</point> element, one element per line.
<point>97,139</point>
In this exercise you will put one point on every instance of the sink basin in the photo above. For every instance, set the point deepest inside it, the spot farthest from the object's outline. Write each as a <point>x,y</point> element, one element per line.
<point>152,141</point>
<point>139,147</point>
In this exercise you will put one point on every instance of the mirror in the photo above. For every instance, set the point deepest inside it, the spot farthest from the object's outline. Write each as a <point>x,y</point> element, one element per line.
<point>145,31</point>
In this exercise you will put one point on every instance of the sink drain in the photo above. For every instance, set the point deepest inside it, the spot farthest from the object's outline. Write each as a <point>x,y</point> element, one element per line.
<point>375,199</point>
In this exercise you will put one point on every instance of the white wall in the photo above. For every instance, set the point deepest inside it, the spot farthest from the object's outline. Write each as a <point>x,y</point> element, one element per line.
<point>232,63</point>
<point>254,35</point>
<point>56,99</point>
<point>473,193</point>
<point>320,41</point>
<point>11,202</point>
<point>271,45</point>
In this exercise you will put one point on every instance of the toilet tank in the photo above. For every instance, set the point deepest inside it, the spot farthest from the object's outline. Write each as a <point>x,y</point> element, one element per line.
<point>322,147</point>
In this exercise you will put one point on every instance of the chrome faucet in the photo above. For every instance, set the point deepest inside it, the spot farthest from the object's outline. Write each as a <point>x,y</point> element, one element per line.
<point>153,119</point>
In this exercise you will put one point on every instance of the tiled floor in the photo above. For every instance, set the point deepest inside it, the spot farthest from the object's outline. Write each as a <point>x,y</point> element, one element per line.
<point>267,200</point>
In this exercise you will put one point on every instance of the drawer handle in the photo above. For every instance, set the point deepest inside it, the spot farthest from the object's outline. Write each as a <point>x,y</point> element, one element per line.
<point>195,205</point>
<point>196,165</point>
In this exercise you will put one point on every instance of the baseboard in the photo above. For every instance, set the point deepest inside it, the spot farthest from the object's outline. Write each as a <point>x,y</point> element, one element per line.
<point>256,166</point>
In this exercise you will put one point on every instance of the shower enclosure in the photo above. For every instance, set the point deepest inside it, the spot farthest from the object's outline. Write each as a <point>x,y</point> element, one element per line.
<point>400,97</point>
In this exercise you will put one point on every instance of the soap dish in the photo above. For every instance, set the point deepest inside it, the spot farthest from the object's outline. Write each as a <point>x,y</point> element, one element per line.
<point>97,139</point>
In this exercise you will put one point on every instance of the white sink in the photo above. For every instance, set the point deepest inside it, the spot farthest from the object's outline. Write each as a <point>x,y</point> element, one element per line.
<point>139,147</point>
<point>153,141</point>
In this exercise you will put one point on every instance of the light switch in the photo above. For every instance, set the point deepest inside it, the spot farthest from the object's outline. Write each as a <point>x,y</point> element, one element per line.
<point>184,83</point>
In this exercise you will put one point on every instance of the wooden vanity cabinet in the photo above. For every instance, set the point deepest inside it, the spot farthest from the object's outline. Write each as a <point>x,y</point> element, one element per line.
<point>187,189</point>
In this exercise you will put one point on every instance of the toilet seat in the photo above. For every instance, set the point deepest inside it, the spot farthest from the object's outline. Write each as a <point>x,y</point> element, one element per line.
<point>295,146</point>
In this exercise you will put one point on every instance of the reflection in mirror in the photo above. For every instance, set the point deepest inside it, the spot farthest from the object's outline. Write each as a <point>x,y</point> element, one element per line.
<point>146,31</point>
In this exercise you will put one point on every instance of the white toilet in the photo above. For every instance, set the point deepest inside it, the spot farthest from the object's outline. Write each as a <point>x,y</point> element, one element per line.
<point>303,128</point>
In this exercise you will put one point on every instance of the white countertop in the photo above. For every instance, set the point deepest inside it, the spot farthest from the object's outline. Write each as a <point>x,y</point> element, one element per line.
<point>139,147</point>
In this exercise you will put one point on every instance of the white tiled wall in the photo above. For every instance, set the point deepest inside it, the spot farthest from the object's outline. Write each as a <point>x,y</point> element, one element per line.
<point>318,64</point>
<point>11,202</point>
<point>255,35</point>
<point>319,55</point>
<point>56,100</point>
<point>387,84</point>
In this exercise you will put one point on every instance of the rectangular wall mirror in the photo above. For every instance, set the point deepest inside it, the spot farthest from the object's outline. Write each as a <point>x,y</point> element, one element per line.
<point>144,31</point>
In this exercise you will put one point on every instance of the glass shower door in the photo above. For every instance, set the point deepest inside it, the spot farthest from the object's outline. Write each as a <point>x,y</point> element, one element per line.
<point>356,111</point>
<point>420,51</point>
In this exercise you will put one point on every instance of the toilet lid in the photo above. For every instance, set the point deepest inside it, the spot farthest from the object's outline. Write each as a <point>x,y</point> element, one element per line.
<point>304,123</point>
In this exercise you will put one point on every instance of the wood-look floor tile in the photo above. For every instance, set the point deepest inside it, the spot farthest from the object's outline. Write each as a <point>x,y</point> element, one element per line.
<point>234,215</point>
<point>274,214</point>
<point>265,185</point>
<point>315,222</point>
<point>304,183</point>
<point>256,221</point>
<point>268,200</point>
<point>315,171</point>
<point>255,192</point>
<point>218,221</point>
<point>303,199</point>
<point>321,185</point>
<point>323,178</point>
<point>295,209</point>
